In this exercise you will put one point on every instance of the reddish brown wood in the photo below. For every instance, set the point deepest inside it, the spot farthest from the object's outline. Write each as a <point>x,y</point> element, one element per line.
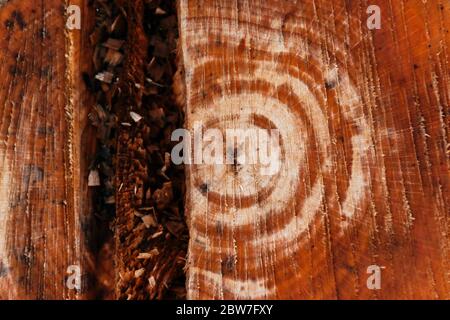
<point>364,119</point>
<point>44,203</point>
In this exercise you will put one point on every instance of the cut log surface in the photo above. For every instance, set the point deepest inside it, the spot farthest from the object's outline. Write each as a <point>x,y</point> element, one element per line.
<point>363,120</point>
<point>42,177</point>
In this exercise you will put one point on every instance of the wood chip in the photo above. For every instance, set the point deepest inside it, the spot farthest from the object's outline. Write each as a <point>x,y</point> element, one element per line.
<point>152,282</point>
<point>105,76</point>
<point>144,256</point>
<point>149,221</point>
<point>110,200</point>
<point>157,235</point>
<point>138,214</point>
<point>163,196</point>
<point>114,44</point>
<point>113,58</point>
<point>148,255</point>
<point>139,273</point>
<point>136,117</point>
<point>94,178</point>
<point>160,11</point>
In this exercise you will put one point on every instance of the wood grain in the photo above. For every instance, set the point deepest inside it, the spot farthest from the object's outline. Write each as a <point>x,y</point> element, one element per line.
<point>363,117</point>
<point>44,207</point>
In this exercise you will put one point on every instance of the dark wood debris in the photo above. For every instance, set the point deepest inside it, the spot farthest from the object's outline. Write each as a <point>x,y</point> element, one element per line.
<point>137,190</point>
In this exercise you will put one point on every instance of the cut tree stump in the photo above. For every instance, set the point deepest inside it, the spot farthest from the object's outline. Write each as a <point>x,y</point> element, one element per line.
<point>44,201</point>
<point>363,119</point>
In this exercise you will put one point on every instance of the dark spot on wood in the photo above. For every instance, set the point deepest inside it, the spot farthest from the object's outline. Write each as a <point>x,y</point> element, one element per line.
<point>33,174</point>
<point>236,166</point>
<point>45,131</point>
<point>17,56</point>
<point>9,24</point>
<point>330,84</point>
<point>241,46</point>
<point>15,71</point>
<point>219,228</point>
<point>3,270</point>
<point>228,264</point>
<point>17,15</point>
<point>203,188</point>
<point>45,73</point>
<point>43,33</point>
<point>88,82</point>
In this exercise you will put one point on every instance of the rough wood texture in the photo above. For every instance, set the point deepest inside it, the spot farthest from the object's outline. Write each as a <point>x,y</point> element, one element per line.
<point>150,234</point>
<point>363,117</point>
<point>125,242</point>
<point>44,207</point>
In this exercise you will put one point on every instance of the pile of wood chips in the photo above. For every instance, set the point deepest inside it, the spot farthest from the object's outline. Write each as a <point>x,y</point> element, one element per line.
<point>139,193</point>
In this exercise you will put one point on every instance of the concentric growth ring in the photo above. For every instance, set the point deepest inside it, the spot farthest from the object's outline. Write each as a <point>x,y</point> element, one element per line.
<point>241,220</point>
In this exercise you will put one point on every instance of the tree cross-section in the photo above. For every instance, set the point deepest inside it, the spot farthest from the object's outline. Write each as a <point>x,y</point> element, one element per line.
<point>363,117</point>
